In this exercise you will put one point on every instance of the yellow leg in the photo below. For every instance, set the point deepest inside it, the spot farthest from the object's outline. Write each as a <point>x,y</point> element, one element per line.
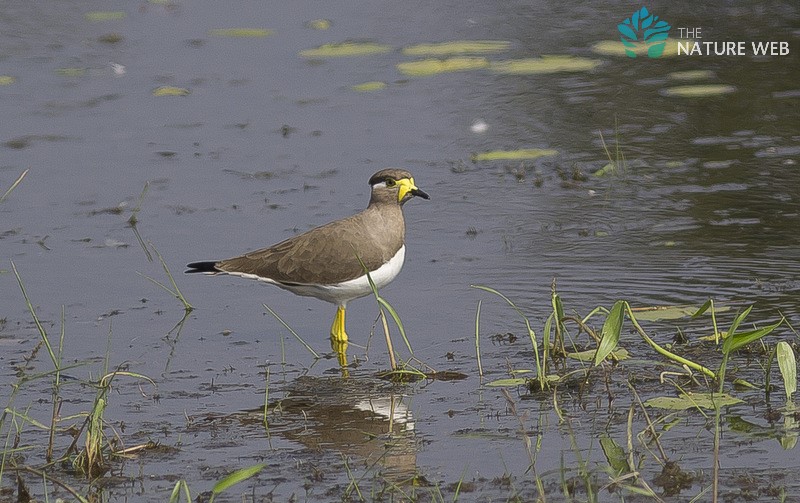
<point>340,348</point>
<point>339,340</point>
<point>337,329</point>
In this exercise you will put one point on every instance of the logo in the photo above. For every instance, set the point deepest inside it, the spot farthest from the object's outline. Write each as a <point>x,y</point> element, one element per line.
<point>644,29</point>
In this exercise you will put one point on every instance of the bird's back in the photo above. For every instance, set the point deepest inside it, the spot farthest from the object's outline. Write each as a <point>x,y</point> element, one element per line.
<point>328,254</point>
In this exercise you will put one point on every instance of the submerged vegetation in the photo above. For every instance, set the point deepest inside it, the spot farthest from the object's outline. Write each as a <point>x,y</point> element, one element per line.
<point>694,373</point>
<point>717,360</point>
<point>89,457</point>
<point>691,383</point>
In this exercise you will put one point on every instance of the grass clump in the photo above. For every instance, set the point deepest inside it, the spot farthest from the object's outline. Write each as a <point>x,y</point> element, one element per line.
<point>89,457</point>
<point>705,387</point>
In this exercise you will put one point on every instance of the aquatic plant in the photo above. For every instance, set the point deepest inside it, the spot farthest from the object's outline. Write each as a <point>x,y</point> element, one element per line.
<point>91,458</point>
<point>605,351</point>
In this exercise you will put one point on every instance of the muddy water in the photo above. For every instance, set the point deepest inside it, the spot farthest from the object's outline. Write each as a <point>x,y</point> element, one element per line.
<point>269,143</point>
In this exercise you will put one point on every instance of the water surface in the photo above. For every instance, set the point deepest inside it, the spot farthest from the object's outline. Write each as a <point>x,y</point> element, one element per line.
<point>269,143</point>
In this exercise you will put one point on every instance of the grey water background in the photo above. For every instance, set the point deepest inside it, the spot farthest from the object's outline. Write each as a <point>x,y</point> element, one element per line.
<point>269,144</point>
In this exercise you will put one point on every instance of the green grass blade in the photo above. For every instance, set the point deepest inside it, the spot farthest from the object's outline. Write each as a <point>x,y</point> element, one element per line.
<point>235,478</point>
<point>14,185</point>
<point>739,319</point>
<point>296,336</point>
<point>460,482</point>
<point>531,333</point>
<point>727,347</point>
<point>176,291</point>
<point>176,492</point>
<point>134,214</point>
<point>736,341</point>
<point>702,309</point>
<point>560,329</point>
<point>609,336</point>
<point>664,352</point>
<point>788,367</point>
<point>548,329</point>
<point>384,303</point>
<point>36,321</point>
<point>134,227</point>
<point>397,321</point>
<point>106,379</point>
<point>477,338</point>
<point>709,304</point>
<point>26,418</point>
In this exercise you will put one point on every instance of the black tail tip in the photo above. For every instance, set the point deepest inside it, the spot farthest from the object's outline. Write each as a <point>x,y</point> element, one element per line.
<point>205,266</point>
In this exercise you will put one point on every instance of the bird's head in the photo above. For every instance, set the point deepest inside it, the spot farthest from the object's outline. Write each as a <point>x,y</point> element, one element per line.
<point>394,185</point>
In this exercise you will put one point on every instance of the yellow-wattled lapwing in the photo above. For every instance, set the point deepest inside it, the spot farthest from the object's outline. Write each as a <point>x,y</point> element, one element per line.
<point>324,262</point>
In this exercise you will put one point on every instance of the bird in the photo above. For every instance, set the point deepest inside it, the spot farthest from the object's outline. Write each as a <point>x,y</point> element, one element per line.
<point>329,262</point>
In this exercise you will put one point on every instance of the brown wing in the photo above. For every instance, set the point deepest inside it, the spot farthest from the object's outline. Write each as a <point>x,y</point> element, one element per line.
<point>327,254</point>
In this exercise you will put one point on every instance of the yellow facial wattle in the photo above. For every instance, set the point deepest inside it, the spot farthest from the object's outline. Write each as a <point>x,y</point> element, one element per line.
<point>405,185</point>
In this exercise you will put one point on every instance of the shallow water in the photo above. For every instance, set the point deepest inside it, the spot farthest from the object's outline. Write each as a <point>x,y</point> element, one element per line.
<point>269,143</point>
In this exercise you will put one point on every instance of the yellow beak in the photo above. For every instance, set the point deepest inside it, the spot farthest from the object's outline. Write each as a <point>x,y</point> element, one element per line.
<point>406,185</point>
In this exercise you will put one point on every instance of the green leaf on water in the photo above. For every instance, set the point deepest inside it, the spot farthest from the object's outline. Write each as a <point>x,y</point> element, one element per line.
<point>742,383</point>
<point>588,355</point>
<point>788,367</point>
<point>693,400</point>
<point>789,438</point>
<point>514,155</point>
<point>319,24</point>
<point>615,455</point>
<point>609,335</point>
<point>240,32</point>
<point>616,48</point>
<point>698,91</point>
<point>656,313</point>
<point>367,87</point>
<point>457,47</point>
<point>522,371</point>
<point>170,91</point>
<point>671,424</point>
<point>236,477</point>
<point>691,75</point>
<point>507,382</point>
<point>583,356</point>
<point>433,66</point>
<point>741,425</point>
<point>609,169</point>
<point>344,49</point>
<point>545,65</point>
<point>71,72</point>
<point>7,80</point>
<point>96,16</point>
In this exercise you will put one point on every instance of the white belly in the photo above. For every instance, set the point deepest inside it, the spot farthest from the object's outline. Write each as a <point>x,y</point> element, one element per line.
<point>341,293</point>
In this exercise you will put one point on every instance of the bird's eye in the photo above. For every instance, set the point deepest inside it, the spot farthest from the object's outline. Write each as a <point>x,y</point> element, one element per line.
<point>390,182</point>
